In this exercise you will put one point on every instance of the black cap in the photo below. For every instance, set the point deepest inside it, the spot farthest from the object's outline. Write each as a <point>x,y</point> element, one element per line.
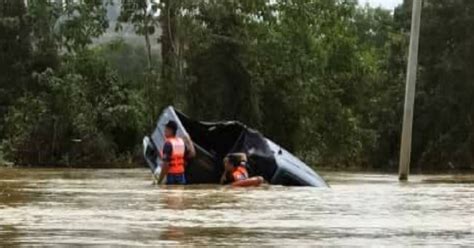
<point>172,125</point>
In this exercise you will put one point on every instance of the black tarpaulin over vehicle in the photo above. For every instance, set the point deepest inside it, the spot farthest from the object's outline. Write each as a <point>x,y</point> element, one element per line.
<point>214,140</point>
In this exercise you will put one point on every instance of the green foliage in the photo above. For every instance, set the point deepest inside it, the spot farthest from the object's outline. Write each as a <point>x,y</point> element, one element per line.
<point>15,48</point>
<point>323,78</point>
<point>15,55</point>
<point>140,14</point>
<point>220,84</point>
<point>84,115</point>
<point>444,108</point>
<point>71,109</point>
<point>127,59</point>
<point>81,22</point>
<point>44,38</point>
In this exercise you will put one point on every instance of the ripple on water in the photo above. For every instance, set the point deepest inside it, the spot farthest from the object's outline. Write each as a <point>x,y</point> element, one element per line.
<point>121,207</point>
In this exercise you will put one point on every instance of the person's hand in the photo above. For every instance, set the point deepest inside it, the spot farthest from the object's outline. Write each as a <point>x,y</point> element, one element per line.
<point>186,138</point>
<point>190,145</point>
<point>223,178</point>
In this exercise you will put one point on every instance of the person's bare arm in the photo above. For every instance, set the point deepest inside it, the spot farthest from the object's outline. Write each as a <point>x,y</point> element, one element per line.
<point>163,173</point>
<point>223,177</point>
<point>190,145</point>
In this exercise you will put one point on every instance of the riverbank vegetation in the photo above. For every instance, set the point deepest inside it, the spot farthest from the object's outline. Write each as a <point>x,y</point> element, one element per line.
<point>325,79</point>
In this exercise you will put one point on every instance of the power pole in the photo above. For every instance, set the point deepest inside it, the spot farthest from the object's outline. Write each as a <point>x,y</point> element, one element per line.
<point>405,148</point>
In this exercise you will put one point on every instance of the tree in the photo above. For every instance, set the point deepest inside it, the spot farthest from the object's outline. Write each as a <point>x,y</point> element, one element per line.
<point>81,21</point>
<point>15,54</point>
<point>443,125</point>
<point>141,14</point>
<point>85,115</point>
<point>217,62</point>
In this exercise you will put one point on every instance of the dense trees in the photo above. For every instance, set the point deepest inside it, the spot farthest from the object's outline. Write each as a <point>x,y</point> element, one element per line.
<point>15,56</point>
<point>323,78</point>
<point>444,127</point>
<point>65,103</point>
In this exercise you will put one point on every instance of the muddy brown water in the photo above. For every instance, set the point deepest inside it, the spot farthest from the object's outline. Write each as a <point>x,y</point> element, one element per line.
<point>69,207</point>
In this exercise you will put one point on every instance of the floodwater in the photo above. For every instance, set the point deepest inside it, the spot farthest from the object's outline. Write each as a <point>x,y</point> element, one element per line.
<point>65,207</point>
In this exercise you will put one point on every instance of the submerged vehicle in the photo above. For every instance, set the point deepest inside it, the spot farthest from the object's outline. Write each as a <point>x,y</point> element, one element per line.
<point>214,140</point>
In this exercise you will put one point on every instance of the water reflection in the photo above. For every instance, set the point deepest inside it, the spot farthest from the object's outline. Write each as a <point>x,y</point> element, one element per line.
<point>195,205</point>
<point>173,199</point>
<point>8,236</point>
<point>10,194</point>
<point>122,208</point>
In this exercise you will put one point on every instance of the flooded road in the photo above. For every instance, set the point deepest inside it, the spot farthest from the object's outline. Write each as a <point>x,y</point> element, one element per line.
<point>63,207</point>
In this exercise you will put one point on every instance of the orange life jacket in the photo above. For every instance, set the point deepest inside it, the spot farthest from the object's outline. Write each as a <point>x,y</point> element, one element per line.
<point>176,163</point>
<point>239,173</point>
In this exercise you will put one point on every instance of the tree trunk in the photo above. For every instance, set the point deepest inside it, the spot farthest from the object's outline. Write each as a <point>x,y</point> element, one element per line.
<point>147,38</point>
<point>148,49</point>
<point>168,25</point>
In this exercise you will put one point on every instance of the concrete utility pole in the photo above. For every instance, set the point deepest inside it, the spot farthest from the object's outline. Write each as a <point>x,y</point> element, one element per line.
<point>405,148</point>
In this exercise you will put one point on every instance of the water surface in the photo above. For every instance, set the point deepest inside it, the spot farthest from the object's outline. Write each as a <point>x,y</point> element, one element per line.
<point>62,207</point>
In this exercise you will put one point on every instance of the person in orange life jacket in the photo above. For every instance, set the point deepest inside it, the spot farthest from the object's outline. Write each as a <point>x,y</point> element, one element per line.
<point>175,152</point>
<point>234,168</point>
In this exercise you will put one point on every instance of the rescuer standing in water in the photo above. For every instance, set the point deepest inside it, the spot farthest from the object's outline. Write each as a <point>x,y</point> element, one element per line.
<point>176,151</point>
